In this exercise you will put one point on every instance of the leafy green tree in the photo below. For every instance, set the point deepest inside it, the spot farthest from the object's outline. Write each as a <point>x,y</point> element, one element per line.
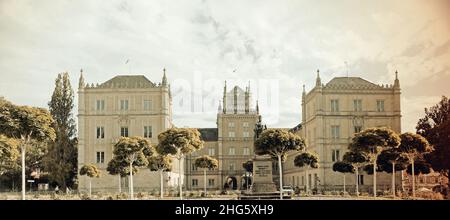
<point>160,163</point>
<point>178,142</point>
<point>118,168</point>
<point>343,167</point>
<point>134,152</point>
<point>390,161</point>
<point>61,160</point>
<point>91,171</point>
<point>357,160</point>
<point>307,160</point>
<point>206,162</point>
<point>414,146</point>
<point>373,141</point>
<point>277,143</point>
<point>26,124</point>
<point>9,153</point>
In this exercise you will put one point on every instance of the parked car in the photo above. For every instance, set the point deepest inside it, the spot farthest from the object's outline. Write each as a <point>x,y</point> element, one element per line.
<point>288,190</point>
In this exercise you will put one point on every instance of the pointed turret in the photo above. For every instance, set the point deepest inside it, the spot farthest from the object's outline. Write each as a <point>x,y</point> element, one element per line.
<point>318,80</point>
<point>164,79</point>
<point>81,83</point>
<point>225,98</point>
<point>396,81</point>
<point>257,107</point>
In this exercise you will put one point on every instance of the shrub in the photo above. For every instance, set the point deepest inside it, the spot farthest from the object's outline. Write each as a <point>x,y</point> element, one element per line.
<point>430,195</point>
<point>85,197</point>
<point>140,195</point>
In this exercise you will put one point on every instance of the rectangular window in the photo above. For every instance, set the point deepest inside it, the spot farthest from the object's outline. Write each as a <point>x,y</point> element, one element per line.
<point>100,105</point>
<point>231,124</point>
<point>231,134</point>
<point>100,132</point>
<point>357,129</point>
<point>335,131</point>
<point>194,168</point>
<point>123,104</point>
<point>124,131</point>
<point>380,105</point>
<point>246,134</point>
<point>246,151</point>
<point>231,167</point>
<point>147,105</point>
<point>357,105</point>
<point>194,182</point>
<point>335,155</point>
<point>245,125</point>
<point>361,179</point>
<point>334,105</point>
<point>211,182</point>
<point>101,157</point>
<point>231,151</point>
<point>148,131</point>
<point>211,151</point>
<point>303,180</point>
<point>316,179</point>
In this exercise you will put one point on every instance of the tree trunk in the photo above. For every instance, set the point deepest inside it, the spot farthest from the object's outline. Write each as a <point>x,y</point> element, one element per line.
<point>161,178</point>
<point>23,171</point>
<point>393,179</point>
<point>413,179</point>
<point>90,187</point>
<point>307,181</point>
<point>179,179</point>
<point>120,184</point>
<point>375,178</point>
<point>204,180</point>
<point>357,181</point>
<point>280,171</point>
<point>131,181</point>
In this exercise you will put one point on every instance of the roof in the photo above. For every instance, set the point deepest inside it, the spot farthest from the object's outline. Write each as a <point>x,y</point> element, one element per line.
<point>127,81</point>
<point>208,134</point>
<point>296,128</point>
<point>351,83</point>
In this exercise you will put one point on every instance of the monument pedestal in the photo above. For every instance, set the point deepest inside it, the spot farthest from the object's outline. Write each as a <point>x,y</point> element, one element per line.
<point>263,186</point>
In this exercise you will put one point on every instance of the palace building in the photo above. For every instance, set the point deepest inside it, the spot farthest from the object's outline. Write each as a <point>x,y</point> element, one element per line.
<point>331,114</point>
<point>126,105</point>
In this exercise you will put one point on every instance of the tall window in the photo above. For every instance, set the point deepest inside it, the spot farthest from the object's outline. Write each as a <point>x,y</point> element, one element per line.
<point>100,132</point>
<point>211,151</point>
<point>194,168</point>
<point>380,105</point>
<point>100,157</point>
<point>231,134</point>
<point>231,167</point>
<point>123,104</point>
<point>246,151</point>
<point>357,105</point>
<point>148,131</point>
<point>334,105</point>
<point>124,131</point>
<point>194,182</point>
<point>335,155</point>
<point>246,134</point>
<point>231,124</point>
<point>231,151</point>
<point>211,182</point>
<point>335,131</point>
<point>357,129</point>
<point>147,105</point>
<point>245,125</point>
<point>361,179</point>
<point>100,105</point>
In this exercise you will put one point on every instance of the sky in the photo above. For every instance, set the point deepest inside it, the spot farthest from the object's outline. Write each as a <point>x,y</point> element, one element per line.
<point>276,45</point>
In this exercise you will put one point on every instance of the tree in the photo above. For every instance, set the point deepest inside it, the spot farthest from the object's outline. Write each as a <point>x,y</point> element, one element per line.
<point>61,160</point>
<point>134,152</point>
<point>277,143</point>
<point>343,167</point>
<point>91,171</point>
<point>390,161</point>
<point>414,146</point>
<point>357,160</point>
<point>26,124</point>
<point>373,141</point>
<point>206,162</point>
<point>178,142</point>
<point>307,160</point>
<point>435,127</point>
<point>161,163</point>
<point>9,153</point>
<point>116,167</point>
